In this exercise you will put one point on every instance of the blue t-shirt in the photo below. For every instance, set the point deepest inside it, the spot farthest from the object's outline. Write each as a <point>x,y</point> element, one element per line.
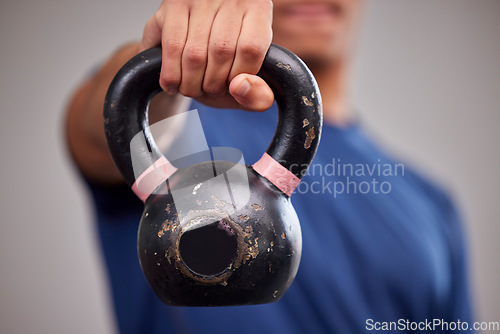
<point>380,244</point>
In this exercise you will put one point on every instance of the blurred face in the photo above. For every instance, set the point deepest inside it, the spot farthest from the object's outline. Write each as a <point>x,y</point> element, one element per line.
<point>321,32</point>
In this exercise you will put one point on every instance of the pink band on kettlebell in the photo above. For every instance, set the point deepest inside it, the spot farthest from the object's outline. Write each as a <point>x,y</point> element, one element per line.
<point>152,177</point>
<point>278,175</point>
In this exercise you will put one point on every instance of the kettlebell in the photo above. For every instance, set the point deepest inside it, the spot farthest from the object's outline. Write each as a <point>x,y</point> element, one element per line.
<point>217,233</point>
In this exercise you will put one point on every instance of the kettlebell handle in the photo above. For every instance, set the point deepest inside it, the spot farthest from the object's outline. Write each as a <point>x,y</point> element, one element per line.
<point>295,89</point>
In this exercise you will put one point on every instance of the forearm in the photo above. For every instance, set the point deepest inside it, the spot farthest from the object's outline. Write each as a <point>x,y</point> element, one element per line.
<point>84,125</point>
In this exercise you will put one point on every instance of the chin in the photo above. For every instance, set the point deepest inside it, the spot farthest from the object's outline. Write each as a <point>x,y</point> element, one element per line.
<point>314,49</point>
<point>320,32</point>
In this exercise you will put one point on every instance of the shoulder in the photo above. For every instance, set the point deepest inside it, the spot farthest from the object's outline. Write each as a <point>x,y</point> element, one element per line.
<point>418,179</point>
<point>435,191</point>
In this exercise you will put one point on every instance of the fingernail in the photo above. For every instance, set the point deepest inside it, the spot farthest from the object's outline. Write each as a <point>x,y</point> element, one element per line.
<point>243,88</point>
<point>171,90</point>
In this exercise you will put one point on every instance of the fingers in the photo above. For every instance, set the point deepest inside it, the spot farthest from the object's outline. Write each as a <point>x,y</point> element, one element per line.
<point>239,41</point>
<point>151,36</point>
<point>174,25</point>
<point>222,49</point>
<point>195,54</point>
<point>251,92</point>
<point>254,39</point>
<point>248,92</point>
<point>206,44</point>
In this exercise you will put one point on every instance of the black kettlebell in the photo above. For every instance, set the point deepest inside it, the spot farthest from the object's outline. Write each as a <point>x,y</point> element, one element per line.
<point>216,233</point>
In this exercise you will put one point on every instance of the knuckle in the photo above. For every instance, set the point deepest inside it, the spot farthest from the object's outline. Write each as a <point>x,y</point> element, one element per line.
<point>223,50</point>
<point>159,14</point>
<point>173,45</point>
<point>195,56</point>
<point>253,51</point>
<point>168,80</point>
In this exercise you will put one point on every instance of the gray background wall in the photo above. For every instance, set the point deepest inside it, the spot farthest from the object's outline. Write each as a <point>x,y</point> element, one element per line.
<point>426,82</point>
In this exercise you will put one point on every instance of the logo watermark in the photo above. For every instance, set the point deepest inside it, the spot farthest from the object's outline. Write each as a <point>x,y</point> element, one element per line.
<point>340,177</point>
<point>435,325</point>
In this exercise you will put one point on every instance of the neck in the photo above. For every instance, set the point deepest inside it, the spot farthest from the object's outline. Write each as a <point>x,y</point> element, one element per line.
<point>333,84</point>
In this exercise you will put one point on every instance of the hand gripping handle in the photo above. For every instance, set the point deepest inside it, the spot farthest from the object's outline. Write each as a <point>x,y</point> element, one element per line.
<point>291,150</point>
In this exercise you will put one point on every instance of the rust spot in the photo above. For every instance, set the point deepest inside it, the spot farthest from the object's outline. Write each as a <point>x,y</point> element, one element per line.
<point>283,235</point>
<point>251,254</point>
<point>224,283</point>
<point>248,230</point>
<point>106,121</point>
<point>305,122</point>
<point>243,218</point>
<point>310,137</point>
<point>256,207</point>
<point>167,255</point>
<point>285,66</point>
<point>167,208</point>
<point>165,227</point>
<point>306,101</point>
<point>313,95</point>
<point>271,244</point>
<point>252,247</point>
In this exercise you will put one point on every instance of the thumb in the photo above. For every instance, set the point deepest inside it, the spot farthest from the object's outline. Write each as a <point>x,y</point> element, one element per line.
<point>251,92</point>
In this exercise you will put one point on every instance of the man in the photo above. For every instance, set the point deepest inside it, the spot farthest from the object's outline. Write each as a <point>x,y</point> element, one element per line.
<point>381,245</point>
